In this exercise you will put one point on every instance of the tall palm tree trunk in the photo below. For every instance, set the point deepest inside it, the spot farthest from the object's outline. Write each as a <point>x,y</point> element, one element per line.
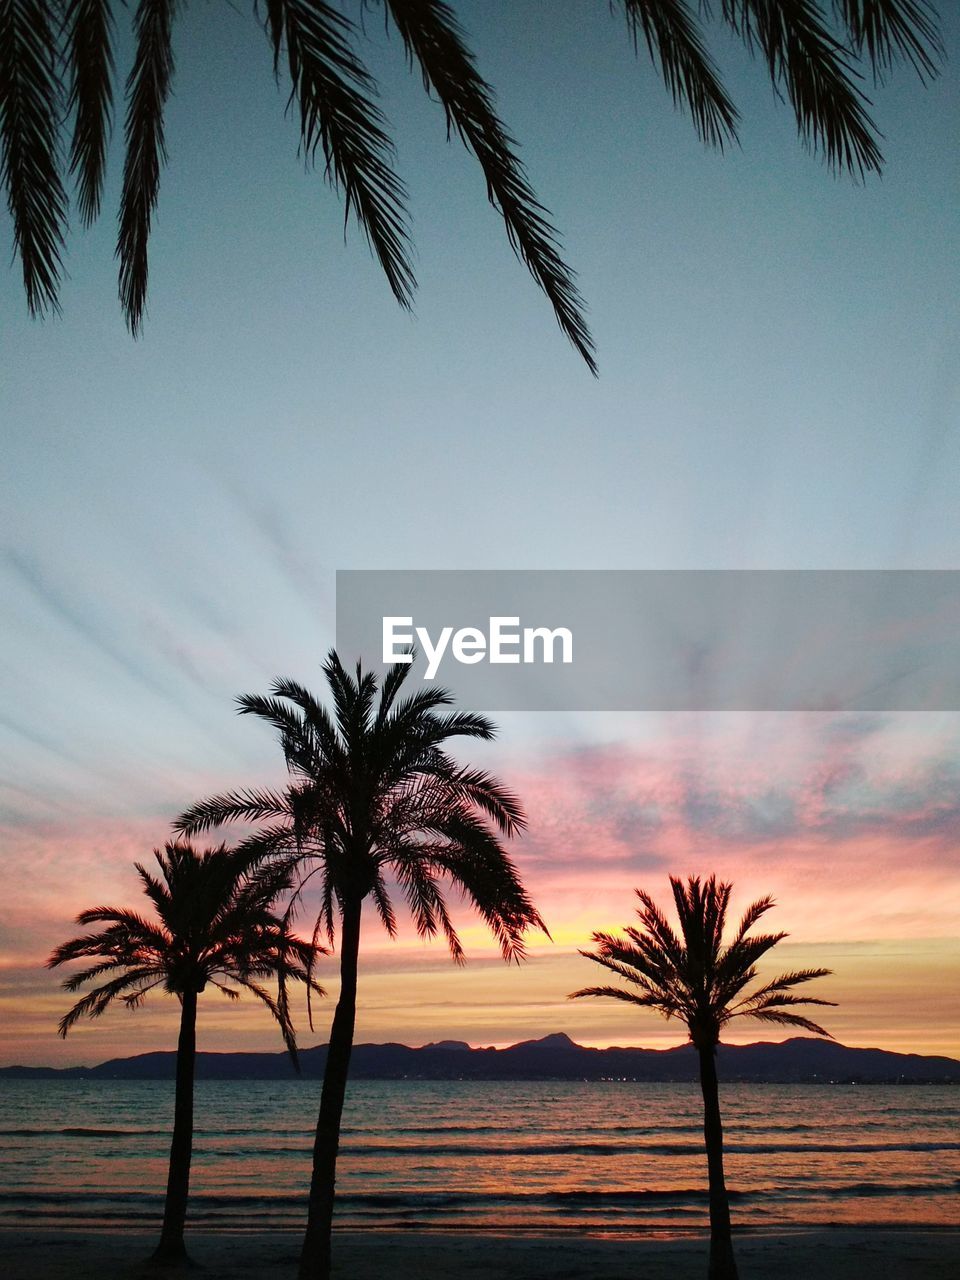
<point>171,1247</point>
<point>723,1265</point>
<point>315,1255</point>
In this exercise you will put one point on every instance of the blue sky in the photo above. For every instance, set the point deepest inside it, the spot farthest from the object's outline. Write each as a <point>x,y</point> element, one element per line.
<point>778,389</point>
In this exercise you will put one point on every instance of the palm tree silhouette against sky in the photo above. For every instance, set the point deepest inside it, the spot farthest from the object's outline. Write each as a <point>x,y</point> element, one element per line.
<point>699,979</point>
<point>56,69</point>
<point>214,924</point>
<point>374,799</point>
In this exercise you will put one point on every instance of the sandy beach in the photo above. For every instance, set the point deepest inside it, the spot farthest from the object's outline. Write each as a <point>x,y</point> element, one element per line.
<point>828,1253</point>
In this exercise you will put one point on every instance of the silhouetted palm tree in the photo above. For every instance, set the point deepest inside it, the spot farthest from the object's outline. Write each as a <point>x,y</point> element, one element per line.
<point>702,981</point>
<point>57,64</point>
<point>373,795</point>
<point>214,923</point>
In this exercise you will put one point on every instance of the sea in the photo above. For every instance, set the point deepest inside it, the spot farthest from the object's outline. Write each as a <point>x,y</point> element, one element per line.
<point>614,1157</point>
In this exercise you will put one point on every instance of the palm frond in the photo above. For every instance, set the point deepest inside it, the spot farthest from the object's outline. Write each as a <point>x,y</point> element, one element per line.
<point>894,30</point>
<point>315,716</point>
<point>391,686</point>
<point>433,39</point>
<point>280,1016</point>
<point>83,976</point>
<point>96,1002</point>
<point>655,923</point>
<point>157,891</point>
<point>633,968</point>
<point>784,1001</point>
<point>645,999</point>
<point>425,899</point>
<point>743,954</point>
<point>462,724</point>
<point>776,996</point>
<point>134,999</point>
<point>31,103</point>
<point>753,914</point>
<point>236,806</point>
<point>89,30</point>
<point>147,88</point>
<point>787,980</point>
<point>478,864</point>
<point>790,1020</point>
<point>384,906</point>
<point>487,794</point>
<point>806,60</point>
<point>333,91</point>
<point>230,992</point>
<point>275,711</point>
<point>127,925</point>
<point>675,43</point>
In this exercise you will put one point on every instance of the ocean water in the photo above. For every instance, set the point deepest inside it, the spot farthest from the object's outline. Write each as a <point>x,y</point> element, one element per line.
<point>524,1157</point>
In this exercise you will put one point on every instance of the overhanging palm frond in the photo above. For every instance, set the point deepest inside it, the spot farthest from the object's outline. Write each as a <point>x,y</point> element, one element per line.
<point>434,40</point>
<point>30,108</point>
<point>333,91</point>
<point>89,33</point>
<point>894,30</point>
<point>810,64</point>
<point>147,88</point>
<point>675,43</point>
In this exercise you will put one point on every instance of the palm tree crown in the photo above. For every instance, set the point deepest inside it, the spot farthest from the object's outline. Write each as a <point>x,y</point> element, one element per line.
<point>57,66</point>
<point>214,923</point>
<point>696,976</point>
<point>375,801</point>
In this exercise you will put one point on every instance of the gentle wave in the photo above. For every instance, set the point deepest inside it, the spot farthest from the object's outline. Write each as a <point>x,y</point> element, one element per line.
<point>516,1157</point>
<point>641,1148</point>
<point>580,1198</point>
<point>501,1150</point>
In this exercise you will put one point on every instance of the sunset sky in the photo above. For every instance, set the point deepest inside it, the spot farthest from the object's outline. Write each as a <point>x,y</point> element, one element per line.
<point>778,389</point>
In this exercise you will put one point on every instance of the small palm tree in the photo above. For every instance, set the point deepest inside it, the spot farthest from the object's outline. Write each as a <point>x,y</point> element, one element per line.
<point>213,923</point>
<point>375,803</point>
<point>702,981</point>
<point>57,67</point>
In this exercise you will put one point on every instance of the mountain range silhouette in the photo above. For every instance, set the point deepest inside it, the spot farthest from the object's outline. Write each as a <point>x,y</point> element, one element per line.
<point>800,1060</point>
